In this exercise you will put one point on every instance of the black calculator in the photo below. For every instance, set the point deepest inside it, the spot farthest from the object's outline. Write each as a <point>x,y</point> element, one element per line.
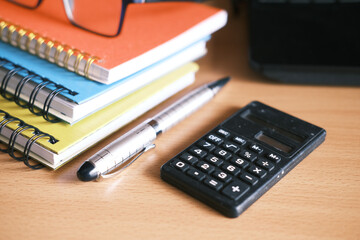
<point>234,164</point>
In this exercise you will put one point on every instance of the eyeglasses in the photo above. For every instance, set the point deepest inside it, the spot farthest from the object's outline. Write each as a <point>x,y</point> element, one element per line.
<point>104,18</point>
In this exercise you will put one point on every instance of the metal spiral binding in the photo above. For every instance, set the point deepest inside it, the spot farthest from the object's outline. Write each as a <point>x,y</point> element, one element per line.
<point>23,38</point>
<point>7,118</point>
<point>3,25</point>
<point>29,39</point>
<point>12,140</point>
<point>69,53</point>
<point>45,82</point>
<point>22,126</point>
<point>88,65</point>
<point>38,135</point>
<point>58,51</point>
<point>19,88</point>
<point>48,101</point>
<point>39,42</point>
<point>79,57</point>
<point>41,84</point>
<point>49,46</point>
<point>6,80</point>
<point>21,33</point>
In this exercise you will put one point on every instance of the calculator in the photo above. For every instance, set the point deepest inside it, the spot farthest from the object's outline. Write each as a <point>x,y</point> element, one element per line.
<point>234,164</point>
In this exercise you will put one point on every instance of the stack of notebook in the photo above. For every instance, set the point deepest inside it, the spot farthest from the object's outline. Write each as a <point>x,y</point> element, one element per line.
<point>63,88</point>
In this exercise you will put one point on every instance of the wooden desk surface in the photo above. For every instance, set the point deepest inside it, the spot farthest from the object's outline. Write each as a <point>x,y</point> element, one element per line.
<point>319,199</point>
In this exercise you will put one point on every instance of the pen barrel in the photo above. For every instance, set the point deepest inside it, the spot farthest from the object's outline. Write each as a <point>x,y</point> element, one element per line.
<point>123,149</point>
<point>182,108</point>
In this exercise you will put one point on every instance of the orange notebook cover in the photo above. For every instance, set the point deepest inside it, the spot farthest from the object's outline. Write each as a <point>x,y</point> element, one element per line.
<point>151,32</point>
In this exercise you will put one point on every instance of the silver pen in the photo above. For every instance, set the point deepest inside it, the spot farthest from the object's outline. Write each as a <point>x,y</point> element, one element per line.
<point>137,141</point>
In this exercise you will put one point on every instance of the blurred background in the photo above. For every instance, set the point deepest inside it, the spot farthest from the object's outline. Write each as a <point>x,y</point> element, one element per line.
<point>295,41</point>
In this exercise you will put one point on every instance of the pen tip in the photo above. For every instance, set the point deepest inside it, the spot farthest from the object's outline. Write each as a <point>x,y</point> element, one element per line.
<point>223,81</point>
<point>87,172</point>
<point>217,85</point>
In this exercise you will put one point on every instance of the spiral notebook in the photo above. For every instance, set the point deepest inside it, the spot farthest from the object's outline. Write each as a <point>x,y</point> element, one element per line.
<point>151,32</point>
<point>53,144</point>
<point>73,97</point>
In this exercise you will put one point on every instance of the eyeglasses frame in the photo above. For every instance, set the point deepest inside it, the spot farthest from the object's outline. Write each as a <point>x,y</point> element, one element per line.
<point>70,16</point>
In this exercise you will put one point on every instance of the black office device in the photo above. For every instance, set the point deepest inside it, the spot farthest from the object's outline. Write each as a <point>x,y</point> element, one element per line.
<point>306,41</point>
<point>234,164</point>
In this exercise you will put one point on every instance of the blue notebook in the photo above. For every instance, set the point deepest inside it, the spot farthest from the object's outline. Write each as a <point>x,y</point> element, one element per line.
<point>68,96</point>
<point>53,144</point>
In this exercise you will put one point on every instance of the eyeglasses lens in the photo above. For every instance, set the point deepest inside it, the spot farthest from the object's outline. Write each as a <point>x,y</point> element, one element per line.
<point>102,17</point>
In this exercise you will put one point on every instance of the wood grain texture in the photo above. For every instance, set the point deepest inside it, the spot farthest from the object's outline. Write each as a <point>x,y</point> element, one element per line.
<point>319,199</point>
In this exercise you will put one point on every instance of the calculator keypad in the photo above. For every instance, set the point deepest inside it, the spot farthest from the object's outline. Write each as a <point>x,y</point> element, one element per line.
<point>227,163</point>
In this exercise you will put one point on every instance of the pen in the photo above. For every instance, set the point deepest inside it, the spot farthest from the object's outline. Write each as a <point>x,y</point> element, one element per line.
<point>137,141</point>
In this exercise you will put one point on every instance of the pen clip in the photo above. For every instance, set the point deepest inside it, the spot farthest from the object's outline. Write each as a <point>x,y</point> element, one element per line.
<point>128,164</point>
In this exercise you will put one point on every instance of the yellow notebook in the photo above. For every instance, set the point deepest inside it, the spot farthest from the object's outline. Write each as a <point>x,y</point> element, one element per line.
<point>72,140</point>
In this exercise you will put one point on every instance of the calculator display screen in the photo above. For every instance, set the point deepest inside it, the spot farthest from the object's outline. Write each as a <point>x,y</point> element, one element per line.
<point>273,142</point>
<point>269,124</point>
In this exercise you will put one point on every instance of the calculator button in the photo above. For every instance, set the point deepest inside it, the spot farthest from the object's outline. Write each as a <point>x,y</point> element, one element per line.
<point>274,157</point>
<point>213,183</point>
<point>248,155</point>
<point>264,163</point>
<point>189,158</point>
<point>239,162</point>
<point>256,148</point>
<point>222,153</point>
<point>240,140</point>
<point>257,171</point>
<point>205,167</point>
<point>235,190</point>
<point>206,145</point>
<point>214,160</point>
<point>249,178</point>
<point>198,152</point>
<point>196,174</point>
<point>180,165</point>
<point>215,139</point>
<point>225,177</point>
<point>231,168</point>
<point>231,147</point>
<point>223,133</point>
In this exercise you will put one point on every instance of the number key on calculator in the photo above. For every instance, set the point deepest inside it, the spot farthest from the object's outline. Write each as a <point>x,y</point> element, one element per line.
<point>239,160</point>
